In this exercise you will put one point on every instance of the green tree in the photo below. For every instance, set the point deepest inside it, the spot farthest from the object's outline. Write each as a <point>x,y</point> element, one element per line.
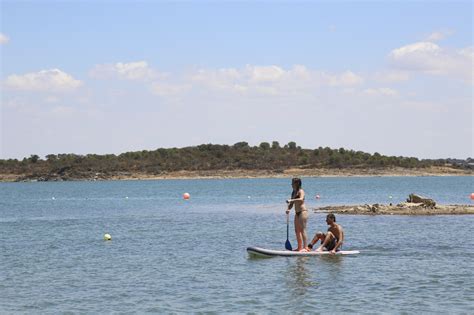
<point>292,145</point>
<point>34,158</point>
<point>264,145</point>
<point>241,145</point>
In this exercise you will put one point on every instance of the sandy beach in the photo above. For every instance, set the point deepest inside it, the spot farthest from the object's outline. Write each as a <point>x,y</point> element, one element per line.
<point>221,174</point>
<point>297,172</point>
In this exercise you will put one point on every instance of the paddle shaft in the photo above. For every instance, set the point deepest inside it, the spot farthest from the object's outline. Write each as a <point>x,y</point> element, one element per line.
<point>287,243</point>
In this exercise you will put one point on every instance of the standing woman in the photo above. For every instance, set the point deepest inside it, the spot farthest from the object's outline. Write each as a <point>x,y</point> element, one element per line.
<point>301,214</point>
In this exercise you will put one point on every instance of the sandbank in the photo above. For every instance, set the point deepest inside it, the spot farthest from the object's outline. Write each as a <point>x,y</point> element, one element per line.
<point>399,209</point>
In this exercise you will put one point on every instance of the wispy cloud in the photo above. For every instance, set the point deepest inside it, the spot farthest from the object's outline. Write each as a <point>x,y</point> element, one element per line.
<point>389,76</point>
<point>438,35</point>
<point>347,78</point>
<point>4,39</point>
<point>380,92</point>
<point>138,70</point>
<point>165,89</point>
<point>53,80</point>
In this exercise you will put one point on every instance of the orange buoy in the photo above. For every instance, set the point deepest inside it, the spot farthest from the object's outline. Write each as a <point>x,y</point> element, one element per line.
<point>186,196</point>
<point>472,196</point>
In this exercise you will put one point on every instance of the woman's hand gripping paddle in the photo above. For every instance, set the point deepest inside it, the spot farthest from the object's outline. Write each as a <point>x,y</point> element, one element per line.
<point>287,243</point>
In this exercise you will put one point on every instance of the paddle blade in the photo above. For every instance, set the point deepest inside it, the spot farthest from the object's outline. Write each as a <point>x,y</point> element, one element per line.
<point>288,245</point>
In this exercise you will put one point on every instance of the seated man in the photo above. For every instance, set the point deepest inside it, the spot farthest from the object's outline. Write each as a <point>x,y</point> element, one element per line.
<point>333,239</point>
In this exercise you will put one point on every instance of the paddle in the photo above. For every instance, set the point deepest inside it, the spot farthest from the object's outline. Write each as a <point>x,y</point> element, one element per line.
<point>287,243</point>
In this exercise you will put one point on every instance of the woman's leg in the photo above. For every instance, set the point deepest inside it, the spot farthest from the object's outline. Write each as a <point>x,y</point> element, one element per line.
<point>304,222</point>
<point>298,231</point>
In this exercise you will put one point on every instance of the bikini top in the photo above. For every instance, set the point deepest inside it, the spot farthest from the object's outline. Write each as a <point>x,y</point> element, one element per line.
<point>295,195</point>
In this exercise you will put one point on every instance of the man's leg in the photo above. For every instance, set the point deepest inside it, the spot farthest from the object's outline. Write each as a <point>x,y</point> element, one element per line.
<point>329,237</point>
<point>318,236</point>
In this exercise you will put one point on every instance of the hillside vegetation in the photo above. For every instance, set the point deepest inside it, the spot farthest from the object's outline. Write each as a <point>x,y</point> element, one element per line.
<point>211,157</point>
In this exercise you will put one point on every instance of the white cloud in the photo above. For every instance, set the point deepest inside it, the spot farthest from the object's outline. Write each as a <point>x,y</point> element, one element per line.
<point>224,78</point>
<point>64,111</point>
<point>272,79</point>
<point>44,80</point>
<point>4,39</point>
<point>138,70</point>
<point>381,92</point>
<point>467,52</point>
<point>300,72</point>
<point>438,35</point>
<point>264,73</point>
<point>347,78</point>
<point>164,89</point>
<point>390,76</point>
<point>51,99</point>
<point>429,58</point>
<point>416,48</point>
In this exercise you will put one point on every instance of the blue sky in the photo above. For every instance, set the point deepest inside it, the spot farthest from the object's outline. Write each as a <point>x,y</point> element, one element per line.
<point>109,77</point>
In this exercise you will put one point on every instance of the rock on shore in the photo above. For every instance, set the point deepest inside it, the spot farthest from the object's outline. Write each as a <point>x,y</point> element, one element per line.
<point>406,208</point>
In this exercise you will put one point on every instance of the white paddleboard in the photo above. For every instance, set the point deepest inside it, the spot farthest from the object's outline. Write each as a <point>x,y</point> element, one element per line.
<point>262,252</point>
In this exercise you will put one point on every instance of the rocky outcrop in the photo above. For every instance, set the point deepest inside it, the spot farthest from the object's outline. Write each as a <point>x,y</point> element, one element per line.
<point>427,202</point>
<point>405,208</point>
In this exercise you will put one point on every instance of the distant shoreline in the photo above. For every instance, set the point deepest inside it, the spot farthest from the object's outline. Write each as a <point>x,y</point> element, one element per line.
<point>224,174</point>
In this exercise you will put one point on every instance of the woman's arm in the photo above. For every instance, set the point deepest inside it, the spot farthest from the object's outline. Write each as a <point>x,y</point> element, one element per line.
<point>299,198</point>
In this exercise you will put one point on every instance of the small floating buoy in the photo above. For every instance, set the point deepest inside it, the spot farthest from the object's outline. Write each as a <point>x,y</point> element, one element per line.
<point>186,196</point>
<point>472,196</point>
<point>390,197</point>
<point>318,197</point>
<point>107,237</point>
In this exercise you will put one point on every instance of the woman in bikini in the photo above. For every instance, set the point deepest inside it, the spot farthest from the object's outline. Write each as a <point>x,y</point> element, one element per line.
<point>301,214</point>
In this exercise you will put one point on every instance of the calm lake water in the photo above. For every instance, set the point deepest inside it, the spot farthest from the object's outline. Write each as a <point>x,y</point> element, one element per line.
<point>168,255</point>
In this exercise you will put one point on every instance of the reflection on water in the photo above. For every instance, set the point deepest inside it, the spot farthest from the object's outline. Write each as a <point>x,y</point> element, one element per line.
<point>304,273</point>
<point>298,277</point>
<point>333,264</point>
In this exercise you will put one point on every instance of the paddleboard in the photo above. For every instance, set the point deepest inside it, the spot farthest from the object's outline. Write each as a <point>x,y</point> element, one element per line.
<point>263,252</point>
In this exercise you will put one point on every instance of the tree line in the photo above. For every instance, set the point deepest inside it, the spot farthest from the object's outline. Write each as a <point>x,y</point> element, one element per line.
<point>214,157</point>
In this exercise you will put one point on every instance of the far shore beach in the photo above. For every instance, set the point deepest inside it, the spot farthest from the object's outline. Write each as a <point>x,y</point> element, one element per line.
<point>222,174</point>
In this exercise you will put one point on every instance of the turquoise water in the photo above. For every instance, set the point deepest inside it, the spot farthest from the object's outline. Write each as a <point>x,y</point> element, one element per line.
<point>168,255</point>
